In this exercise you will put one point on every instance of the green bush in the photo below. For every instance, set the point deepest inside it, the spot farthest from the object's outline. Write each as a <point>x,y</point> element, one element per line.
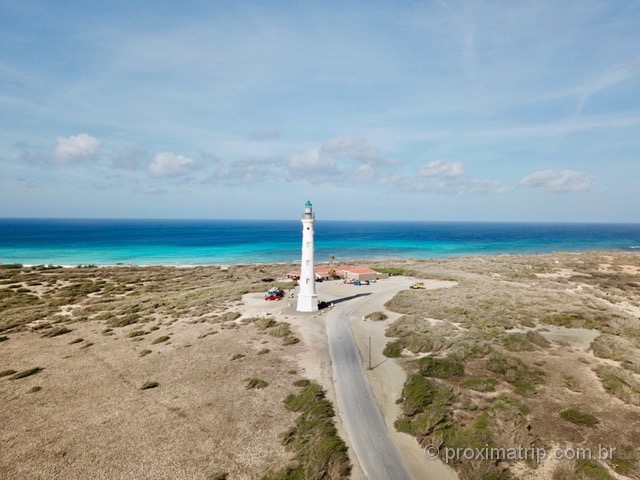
<point>480,384</point>
<point>319,451</point>
<point>256,383</point>
<point>574,415</point>
<point>440,367</point>
<point>393,349</point>
<point>26,373</point>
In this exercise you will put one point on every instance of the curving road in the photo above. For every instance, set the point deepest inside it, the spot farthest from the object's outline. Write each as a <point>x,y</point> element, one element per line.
<point>376,452</point>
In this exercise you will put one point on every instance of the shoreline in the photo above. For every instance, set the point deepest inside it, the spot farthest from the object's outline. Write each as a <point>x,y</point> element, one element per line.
<point>354,261</point>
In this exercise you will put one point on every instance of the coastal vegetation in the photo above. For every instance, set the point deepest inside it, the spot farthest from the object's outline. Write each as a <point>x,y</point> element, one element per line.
<point>515,340</point>
<point>318,450</point>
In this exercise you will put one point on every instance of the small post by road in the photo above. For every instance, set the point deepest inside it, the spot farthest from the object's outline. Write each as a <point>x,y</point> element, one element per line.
<point>369,353</point>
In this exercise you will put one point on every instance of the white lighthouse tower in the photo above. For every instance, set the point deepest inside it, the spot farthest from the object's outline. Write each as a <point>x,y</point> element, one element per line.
<point>307,297</point>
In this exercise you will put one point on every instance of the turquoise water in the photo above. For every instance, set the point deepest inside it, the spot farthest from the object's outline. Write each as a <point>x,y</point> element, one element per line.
<point>170,242</point>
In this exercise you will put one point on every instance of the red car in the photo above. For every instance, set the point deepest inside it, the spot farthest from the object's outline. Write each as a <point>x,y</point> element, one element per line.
<point>274,294</point>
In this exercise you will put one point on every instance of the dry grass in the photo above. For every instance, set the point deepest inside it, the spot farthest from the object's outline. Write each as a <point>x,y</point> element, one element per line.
<point>199,421</point>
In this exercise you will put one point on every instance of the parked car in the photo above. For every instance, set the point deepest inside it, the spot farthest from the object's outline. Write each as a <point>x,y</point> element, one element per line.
<point>361,282</point>
<point>417,286</point>
<point>274,294</point>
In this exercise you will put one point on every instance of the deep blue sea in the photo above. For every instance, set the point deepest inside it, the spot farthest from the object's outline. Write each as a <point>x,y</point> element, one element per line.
<point>171,242</point>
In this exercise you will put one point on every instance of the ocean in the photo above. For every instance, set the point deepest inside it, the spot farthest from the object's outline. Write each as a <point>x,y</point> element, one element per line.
<point>199,242</point>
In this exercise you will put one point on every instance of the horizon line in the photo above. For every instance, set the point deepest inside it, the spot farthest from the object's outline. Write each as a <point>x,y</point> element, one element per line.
<point>547,222</point>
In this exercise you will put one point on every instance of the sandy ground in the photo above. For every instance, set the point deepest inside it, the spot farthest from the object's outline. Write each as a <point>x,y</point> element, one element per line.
<point>85,416</point>
<point>90,419</point>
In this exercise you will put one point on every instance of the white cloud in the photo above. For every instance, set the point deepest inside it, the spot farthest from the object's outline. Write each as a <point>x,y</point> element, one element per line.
<point>312,161</point>
<point>168,164</point>
<point>450,178</point>
<point>438,168</point>
<point>558,180</point>
<point>76,147</point>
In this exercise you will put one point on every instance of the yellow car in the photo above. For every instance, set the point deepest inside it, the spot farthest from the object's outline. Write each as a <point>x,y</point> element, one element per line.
<point>417,286</point>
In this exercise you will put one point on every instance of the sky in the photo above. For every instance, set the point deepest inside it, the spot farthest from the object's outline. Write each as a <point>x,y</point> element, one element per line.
<point>412,110</point>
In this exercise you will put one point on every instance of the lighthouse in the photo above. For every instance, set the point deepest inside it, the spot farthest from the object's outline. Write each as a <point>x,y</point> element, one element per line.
<point>307,297</point>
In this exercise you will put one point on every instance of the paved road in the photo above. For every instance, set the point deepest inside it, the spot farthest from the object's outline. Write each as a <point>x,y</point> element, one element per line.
<point>376,452</point>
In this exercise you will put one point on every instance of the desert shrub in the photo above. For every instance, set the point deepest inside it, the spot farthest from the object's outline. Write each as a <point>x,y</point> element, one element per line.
<point>574,415</point>
<point>219,476</point>
<point>469,350</point>
<point>571,320</point>
<point>625,461</point>
<point>480,384</point>
<point>617,348</point>
<point>591,470</point>
<point>393,349</point>
<point>377,316</point>
<point>6,373</point>
<point>620,383</point>
<point>227,317</point>
<point>148,385</point>
<point>264,322</point>
<point>280,330</point>
<point>517,342</point>
<point>420,393</point>
<point>440,367</point>
<point>516,372</point>
<point>26,373</point>
<point>418,335</point>
<point>144,352</point>
<point>396,271</point>
<point>318,450</point>
<point>424,406</point>
<point>55,332</point>
<point>256,383</point>
<point>124,321</point>
<point>10,266</point>
<point>161,339</point>
<point>290,340</point>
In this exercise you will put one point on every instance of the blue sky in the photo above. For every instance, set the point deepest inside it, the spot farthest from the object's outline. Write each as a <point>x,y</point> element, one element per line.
<point>434,110</point>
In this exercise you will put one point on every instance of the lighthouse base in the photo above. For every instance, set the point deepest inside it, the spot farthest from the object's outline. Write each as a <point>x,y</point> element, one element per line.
<point>307,303</point>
